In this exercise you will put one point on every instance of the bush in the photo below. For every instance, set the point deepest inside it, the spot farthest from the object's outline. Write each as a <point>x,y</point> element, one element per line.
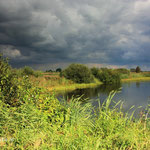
<point>30,72</point>
<point>138,69</point>
<point>107,76</point>
<point>8,81</point>
<point>78,73</point>
<point>95,72</point>
<point>58,70</point>
<point>12,88</point>
<point>123,71</point>
<point>27,71</point>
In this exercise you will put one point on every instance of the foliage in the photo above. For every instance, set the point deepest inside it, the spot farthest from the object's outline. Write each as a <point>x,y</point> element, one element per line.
<point>50,70</point>
<point>96,72</point>
<point>146,74</point>
<point>12,87</point>
<point>107,76</point>
<point>38,120</point>
<point>58,70</point>
<point>123,71</point>
<point>138,69</point>
<point>78,73</point>
<point>27,71</point>
<point>30,72</point>
<point>70,125</point>
<point>8,82</point>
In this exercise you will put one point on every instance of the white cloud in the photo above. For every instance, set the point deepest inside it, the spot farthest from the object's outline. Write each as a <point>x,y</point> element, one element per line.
<point>10,51</point>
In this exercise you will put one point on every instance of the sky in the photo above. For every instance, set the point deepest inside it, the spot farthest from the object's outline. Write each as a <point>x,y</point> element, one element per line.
<point>47,34</point>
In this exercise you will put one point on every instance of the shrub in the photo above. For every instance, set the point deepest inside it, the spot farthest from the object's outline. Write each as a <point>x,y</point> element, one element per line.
<point>78,73</point>
<point>107,76</point>
<point>27,71</point>
<point>123,71</point>
<point>58,70</point>
<point>138,69</point>
<point>12,88</point>
<point>95,72</point>
<point>8,81</point>
<point>30,72</point>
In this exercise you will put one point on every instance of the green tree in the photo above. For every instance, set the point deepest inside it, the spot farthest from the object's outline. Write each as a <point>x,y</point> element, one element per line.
<point>138,69</point>
<point>27,71</point>
<point>78,73</point>
<point>58,70</point>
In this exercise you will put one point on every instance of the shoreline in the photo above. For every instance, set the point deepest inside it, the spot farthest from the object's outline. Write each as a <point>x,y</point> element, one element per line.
<point>136,79</point>
<point>73,87</point>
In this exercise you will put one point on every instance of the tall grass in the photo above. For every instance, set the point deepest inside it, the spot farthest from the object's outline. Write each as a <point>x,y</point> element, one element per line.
<point>71,126</point>
<point>57,83</point>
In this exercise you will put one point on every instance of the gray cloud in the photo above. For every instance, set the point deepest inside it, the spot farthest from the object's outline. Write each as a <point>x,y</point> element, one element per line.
<point>34,32</point>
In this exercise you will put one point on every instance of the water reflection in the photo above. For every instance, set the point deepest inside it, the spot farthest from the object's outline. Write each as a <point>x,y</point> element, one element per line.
<point>137,84</point>
<point>89,93</point>
<point>134,93</point>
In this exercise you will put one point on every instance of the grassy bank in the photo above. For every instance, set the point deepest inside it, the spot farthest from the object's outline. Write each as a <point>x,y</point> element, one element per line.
<point>136,79</point>
<point>53,82</point>
<point>71,126</point>
<point>143,76</point>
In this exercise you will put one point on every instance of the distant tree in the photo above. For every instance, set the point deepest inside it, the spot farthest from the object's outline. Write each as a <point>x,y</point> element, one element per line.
<point>27,71</point>
<point>138,69</point>
<point>78,73</point>
<point>122,71</point>
<point>49,70</point>
<point>58,70</point>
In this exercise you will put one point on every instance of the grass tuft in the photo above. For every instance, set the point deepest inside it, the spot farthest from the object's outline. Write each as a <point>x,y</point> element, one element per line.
<point>71,125</point>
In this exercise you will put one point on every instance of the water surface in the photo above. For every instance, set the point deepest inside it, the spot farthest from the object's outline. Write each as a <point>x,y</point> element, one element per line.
<point>132,94</point>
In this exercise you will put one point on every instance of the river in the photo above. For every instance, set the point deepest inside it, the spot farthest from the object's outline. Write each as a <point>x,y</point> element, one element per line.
<point>131,94</point>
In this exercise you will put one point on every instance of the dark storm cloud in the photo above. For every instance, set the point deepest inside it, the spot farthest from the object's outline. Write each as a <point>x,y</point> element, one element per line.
<point>34,32</point>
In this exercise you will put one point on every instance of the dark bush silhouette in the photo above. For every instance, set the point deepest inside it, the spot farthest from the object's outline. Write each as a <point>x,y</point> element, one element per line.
<point>78,73</point>
<point>58,70</point>
<point>138,69</point>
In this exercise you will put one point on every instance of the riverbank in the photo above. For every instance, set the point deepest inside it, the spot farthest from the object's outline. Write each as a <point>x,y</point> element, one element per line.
<point>136,79</point>
<point>74,86</point>
<point>59,84</point>
<point>53,82</point>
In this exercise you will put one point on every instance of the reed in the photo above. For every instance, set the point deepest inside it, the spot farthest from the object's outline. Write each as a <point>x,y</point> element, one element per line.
<point>73,126</point>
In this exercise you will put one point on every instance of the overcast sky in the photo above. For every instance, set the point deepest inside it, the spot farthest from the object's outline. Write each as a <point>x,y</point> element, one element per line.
<point>52,33</point>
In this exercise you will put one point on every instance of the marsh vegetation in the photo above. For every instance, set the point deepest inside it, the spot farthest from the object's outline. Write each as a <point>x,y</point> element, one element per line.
<point>31,117</point>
